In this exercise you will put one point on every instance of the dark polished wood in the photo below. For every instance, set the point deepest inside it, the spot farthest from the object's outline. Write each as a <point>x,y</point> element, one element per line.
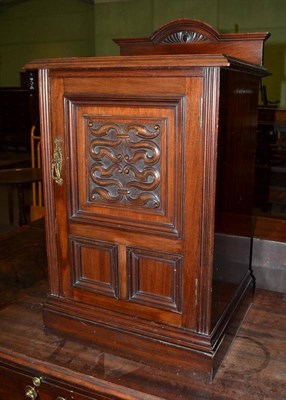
<point>270,199</point>
<point>20,175</point>
<point>140,198</point>
<point>14,160</point>
<point>255,366</point>
<point>270,229</point>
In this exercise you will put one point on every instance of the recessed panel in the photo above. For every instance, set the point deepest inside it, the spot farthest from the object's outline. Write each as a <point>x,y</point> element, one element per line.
<point>155,279</point>
<point>95,266</point>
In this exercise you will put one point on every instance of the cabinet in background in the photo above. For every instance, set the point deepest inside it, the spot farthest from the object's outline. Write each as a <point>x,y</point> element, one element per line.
<point>270,184</point>
<point>18,113</point>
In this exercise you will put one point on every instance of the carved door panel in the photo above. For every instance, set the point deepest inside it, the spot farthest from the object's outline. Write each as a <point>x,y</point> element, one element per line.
<point>121,204</point>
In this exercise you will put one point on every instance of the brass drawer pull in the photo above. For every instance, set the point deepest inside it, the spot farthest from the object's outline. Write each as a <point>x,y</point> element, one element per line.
<point>37,380</point>
<point>57,161</point>
<point>30,392</point>
<point>60,398</point>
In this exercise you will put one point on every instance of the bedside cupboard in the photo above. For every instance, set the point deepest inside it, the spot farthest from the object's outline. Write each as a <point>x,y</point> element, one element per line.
<point>148,162</point>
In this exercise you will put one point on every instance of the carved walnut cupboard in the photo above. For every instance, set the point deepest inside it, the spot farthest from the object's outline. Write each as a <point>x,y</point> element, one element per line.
<point>148,168</point>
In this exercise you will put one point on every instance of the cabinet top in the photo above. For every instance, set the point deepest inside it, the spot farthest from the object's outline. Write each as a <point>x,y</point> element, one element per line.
<point>178,62</point>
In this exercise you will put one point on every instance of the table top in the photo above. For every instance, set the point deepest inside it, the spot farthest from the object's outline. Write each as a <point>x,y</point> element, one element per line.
<point>20,175</point>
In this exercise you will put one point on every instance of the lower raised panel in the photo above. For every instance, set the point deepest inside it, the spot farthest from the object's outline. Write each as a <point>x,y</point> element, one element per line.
<point>155,279</point>
<point>94,266</point>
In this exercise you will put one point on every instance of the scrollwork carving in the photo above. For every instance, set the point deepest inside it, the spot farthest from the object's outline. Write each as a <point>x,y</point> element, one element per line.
<point>185,37</point>
<point>125,163</point>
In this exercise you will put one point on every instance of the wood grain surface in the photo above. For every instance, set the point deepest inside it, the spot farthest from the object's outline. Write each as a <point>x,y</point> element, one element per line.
<point>255,367</point>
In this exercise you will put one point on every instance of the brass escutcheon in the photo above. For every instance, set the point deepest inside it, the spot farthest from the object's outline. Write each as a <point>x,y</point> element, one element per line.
<point>57,161</point>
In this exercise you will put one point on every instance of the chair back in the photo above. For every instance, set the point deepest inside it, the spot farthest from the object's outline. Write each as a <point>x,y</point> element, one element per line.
<point>37,208</point>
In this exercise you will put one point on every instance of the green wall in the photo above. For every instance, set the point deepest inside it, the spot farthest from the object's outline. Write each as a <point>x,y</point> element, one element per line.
<point>41,29</point>
<point>135,18</point>
<point>60,28</point>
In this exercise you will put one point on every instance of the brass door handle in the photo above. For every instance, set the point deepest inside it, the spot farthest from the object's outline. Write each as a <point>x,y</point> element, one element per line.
<point>57,161</point>
<point>30,392</point>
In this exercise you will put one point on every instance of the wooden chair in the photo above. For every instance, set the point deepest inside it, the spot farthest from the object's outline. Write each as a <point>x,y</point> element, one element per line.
<point>37,209</point>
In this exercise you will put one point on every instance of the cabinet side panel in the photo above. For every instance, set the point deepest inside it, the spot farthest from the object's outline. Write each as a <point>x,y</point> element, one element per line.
<point>235,183</point>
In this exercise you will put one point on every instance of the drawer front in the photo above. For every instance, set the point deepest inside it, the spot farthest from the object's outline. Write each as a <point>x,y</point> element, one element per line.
<point>18,385</point>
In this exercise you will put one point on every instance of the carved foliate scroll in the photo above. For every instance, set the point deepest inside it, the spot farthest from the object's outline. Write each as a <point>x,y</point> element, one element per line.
<point>125,163</point>
<point>185,37</point>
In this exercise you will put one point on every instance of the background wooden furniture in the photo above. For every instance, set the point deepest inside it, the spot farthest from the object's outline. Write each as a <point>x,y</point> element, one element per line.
<point>23,261</point>
<point>37,209</point>
<point>271,163</point>
<point>149,202</point>
<point>20,178</point>
<point>18,112</point>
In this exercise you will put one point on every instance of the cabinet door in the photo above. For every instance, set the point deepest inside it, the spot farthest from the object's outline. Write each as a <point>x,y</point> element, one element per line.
<point>119,170</point>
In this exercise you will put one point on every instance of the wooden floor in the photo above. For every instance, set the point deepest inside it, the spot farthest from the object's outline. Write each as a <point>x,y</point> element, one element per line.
<point>254,368</point>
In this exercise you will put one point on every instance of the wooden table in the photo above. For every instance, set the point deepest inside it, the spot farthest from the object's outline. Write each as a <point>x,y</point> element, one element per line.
<point>254,368</point>
<point>19,177</point>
